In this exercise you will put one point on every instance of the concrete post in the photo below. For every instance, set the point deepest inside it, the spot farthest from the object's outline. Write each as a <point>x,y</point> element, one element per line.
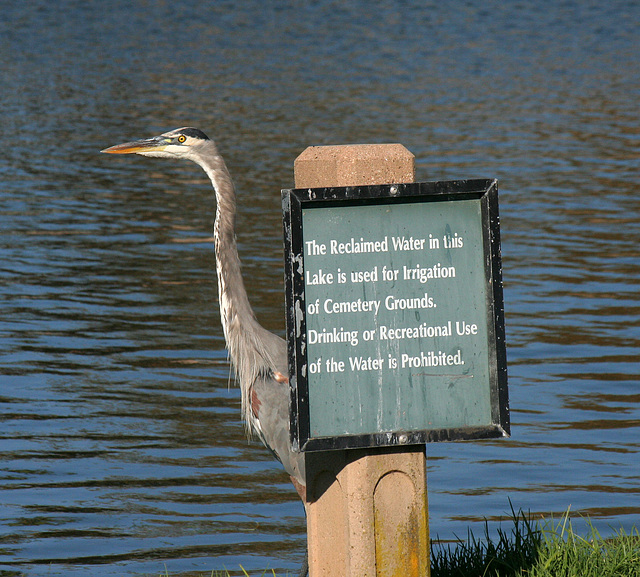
<point>367,512</point>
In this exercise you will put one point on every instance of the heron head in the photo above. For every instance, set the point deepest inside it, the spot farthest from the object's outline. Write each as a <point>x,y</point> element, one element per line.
<point>179,143</point>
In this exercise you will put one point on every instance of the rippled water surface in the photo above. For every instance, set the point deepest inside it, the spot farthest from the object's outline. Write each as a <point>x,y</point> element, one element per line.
<point>121,448</point>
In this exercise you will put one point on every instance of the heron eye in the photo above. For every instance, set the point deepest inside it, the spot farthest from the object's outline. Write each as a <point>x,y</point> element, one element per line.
<point>182,138</point>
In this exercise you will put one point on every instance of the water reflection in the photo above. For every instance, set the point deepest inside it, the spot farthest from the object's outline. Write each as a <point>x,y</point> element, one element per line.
<point>121,447</point>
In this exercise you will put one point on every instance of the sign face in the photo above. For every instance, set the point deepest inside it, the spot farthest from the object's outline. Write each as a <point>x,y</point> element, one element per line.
<point>395,320</point>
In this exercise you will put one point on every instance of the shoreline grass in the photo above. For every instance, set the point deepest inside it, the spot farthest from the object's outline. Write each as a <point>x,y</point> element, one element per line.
<point>499,557</point>
<point>566,554</point>
<point>544,548</point>
<point>540,549</point>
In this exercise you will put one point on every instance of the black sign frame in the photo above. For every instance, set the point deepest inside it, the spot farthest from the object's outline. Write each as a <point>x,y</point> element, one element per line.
<point>293,202</point>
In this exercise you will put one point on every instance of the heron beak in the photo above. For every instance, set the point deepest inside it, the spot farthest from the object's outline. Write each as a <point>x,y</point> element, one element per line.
<point>137,146</point>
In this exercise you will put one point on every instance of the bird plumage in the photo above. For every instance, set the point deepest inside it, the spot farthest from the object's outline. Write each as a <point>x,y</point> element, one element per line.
<point>258,357</point>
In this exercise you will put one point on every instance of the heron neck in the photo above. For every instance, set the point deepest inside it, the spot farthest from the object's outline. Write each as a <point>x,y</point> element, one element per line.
<point>235,308</point>
<point>249,344</point>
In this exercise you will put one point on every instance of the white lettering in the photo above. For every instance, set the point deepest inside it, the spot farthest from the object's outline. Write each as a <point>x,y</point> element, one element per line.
<point>353,246</point>
<point>404,243</point>
<point>395,304</point>
<point>365,364</point>
<point>431,359</point>
<point>423,274</point>
<point>332,307</point>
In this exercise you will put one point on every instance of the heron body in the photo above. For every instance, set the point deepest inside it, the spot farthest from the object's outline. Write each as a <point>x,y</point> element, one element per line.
<point>258,357</point>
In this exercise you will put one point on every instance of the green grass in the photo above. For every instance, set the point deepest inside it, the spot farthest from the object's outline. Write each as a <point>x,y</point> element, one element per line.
<point>528,549</point>
<point>543,549</point>
<point>565,554</point>
<point>489,557</point>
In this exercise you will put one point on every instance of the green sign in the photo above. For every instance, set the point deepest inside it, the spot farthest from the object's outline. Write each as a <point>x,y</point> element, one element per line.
<point>395,319</point>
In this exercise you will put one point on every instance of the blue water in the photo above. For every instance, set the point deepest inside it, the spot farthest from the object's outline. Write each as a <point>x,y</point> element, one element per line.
<point>121,446</point>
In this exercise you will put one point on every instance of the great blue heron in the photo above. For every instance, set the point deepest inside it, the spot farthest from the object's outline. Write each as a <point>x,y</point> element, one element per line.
<point>258,357</point>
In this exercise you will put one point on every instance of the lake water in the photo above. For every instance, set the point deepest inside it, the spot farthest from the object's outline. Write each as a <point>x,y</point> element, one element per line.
<point>121,446</point>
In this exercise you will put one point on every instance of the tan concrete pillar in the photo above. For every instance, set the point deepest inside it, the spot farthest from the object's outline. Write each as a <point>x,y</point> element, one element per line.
<point>367,512</point>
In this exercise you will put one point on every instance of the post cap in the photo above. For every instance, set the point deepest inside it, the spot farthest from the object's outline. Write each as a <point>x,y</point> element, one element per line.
<point>353,165</point>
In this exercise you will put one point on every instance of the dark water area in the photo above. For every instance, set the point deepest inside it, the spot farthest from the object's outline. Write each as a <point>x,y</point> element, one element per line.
<point>121,445</point>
